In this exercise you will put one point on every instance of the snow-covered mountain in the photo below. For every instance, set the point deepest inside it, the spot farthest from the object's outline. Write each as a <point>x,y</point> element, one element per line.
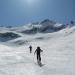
<point>46,26</point>
<point>10,33</point>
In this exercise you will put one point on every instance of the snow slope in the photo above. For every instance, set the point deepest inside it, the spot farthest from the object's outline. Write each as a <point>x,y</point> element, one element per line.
<point>58,55</point>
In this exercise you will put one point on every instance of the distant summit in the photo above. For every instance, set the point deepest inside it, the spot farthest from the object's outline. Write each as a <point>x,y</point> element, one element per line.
<point>45,26</point>
<point>47,22</point>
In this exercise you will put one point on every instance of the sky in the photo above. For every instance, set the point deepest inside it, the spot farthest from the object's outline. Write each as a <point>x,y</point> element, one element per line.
<point>21,12</point>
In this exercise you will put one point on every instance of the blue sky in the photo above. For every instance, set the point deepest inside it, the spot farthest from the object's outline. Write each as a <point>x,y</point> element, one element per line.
<point>20,12</point>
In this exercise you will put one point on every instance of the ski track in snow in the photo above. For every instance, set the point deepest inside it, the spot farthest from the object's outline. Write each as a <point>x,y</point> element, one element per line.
<point>17,63</point>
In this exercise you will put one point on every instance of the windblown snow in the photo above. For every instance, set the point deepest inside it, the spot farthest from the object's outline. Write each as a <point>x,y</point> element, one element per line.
<point>58,57</point>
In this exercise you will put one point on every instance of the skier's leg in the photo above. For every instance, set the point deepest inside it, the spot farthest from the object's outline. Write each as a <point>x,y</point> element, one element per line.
<point>37,59</point>
<point>40,59</point>
<point>30,50</point>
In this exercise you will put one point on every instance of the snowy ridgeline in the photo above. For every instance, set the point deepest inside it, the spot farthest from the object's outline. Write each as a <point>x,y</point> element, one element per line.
<point>58,55</point>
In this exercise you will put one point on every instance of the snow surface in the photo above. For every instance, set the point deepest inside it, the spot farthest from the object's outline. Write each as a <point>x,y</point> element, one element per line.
<point>58,57</point>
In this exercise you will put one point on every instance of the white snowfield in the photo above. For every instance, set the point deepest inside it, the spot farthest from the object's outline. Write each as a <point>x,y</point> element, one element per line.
<point>58,56</point>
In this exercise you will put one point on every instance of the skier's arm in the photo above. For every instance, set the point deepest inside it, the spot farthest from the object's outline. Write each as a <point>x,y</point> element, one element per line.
<point>41,50</point>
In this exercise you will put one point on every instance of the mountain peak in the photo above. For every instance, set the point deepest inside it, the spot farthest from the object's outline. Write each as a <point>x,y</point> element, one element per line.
<point>47,22</point>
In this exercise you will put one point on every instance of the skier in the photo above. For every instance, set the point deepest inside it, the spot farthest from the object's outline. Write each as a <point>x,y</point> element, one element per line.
<point>38,53</point>
<point>30,47</point>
